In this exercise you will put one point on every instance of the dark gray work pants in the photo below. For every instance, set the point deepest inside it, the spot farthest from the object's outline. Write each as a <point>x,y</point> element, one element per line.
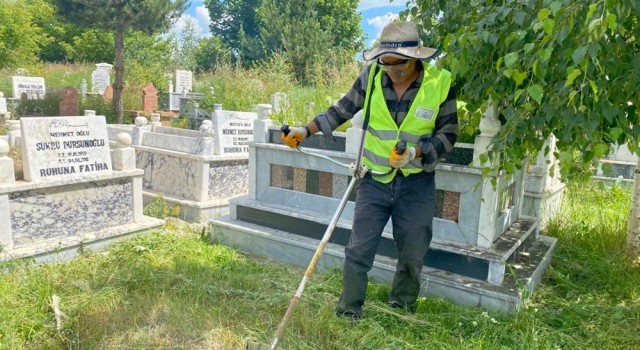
<point>410,202</point>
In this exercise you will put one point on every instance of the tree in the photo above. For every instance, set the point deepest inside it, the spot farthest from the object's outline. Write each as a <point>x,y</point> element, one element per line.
<point>231,20</point>
<point>210,52</point>
<point>92,45</point>
<point>20,35</point>
<point>562,67</point>
<point>308,30</point>
<point>119,17</point>
<point>188,45</point>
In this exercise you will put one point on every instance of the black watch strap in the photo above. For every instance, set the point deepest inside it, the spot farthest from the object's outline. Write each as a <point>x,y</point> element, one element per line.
<point>308,130</point>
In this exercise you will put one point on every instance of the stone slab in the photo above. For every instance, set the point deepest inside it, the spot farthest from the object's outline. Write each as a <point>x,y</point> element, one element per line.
<point>64,147</point>
<point>65,248</point>
<point>233,131</point>
<point>296,250</point>
<point>32,87</point>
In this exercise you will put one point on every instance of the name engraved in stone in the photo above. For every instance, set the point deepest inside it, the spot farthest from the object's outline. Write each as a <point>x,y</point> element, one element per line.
<point>43,146</point>
<point>236,132</point>
<point>53,145</point>
<point>82,168</point>
<point>84,143</point>
<point>61,134</point>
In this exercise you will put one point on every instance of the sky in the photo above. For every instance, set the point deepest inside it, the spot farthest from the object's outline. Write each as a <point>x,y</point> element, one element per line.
<point>375,15</point>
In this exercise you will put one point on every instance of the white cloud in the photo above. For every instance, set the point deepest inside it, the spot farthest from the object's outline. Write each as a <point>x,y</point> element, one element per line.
<point>378,23</point>
<point>203,20</point>
<point>372,4</point>
<point>200,20</point>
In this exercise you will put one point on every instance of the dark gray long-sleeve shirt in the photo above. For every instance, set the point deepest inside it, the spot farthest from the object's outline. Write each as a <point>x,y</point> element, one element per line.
<point>433,146</point>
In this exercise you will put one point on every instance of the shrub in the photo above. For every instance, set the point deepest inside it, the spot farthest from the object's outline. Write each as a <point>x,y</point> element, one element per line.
<point>48,106</point>
<point>158,208</point>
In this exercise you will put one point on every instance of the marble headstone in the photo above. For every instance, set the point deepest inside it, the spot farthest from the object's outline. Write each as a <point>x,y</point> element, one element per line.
<point>56,148</point>
<point>233,132</point>
<point>100,78</point>
<point>32,87</point>
<point>3,104</point>
<point>184,81</point>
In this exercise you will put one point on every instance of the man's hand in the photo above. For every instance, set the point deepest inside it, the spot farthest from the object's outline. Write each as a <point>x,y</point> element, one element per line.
<point>294,137</point>
<point>399,160</point>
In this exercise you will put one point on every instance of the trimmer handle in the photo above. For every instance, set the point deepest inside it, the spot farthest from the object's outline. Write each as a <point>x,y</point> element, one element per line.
<point>285,129</point>
<point>401,146</point>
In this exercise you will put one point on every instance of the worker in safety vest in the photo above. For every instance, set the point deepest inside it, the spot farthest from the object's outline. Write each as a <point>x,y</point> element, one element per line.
<point>403,98</point>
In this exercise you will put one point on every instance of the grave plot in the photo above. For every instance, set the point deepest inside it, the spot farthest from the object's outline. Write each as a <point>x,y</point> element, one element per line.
<point>77,193</point>
<point>485,252</point>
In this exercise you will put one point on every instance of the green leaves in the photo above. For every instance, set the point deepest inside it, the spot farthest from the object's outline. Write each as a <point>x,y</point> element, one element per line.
<point>572,76</point>
<point>510,59</point>
<point>558,66</point>
<point>578,55</point>
<point>536,92</point>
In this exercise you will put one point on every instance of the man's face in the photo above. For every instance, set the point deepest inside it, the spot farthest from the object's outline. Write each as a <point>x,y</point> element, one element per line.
<point>398,68</point>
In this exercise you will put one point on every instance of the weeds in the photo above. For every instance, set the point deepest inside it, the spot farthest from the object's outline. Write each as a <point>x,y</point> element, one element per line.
<point>173,289</point>
<point>159,208</point>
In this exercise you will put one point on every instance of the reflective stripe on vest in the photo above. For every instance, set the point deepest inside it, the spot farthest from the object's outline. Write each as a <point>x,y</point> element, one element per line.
<point>383,133</point>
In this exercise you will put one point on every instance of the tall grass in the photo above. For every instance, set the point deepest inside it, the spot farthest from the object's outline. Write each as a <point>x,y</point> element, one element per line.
<point>174,290</point>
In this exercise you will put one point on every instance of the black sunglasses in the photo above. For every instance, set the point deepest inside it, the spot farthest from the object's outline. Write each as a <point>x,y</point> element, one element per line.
<point>395,63</point>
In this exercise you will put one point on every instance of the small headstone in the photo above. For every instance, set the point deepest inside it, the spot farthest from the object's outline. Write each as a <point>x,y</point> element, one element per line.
<point>83,87</point>
<point>280,102</point>
<point>184,81</point>
<point>108,93</point>
<point>64,147</point>
<point>101,78</point>
<point>68,104</point>
<point>149,98</point>
<point>234,131</point>
<point>3,104</point>
<point>31,87</point>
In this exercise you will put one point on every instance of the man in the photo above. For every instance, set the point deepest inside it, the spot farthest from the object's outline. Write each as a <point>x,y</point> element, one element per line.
<point>408,100</point>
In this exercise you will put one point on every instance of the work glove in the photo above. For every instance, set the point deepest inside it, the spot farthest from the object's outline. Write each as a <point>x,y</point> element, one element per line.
<point>295,136</point>
<point>400,160</point>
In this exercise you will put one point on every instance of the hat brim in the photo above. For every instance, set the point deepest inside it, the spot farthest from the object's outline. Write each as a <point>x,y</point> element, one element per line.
<point>420,52</point>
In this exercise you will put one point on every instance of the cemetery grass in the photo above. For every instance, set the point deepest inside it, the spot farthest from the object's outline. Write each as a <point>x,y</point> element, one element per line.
<point>173,289</point>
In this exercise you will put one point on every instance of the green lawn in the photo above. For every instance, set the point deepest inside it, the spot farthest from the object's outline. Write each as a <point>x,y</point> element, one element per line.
<point>174,290</point>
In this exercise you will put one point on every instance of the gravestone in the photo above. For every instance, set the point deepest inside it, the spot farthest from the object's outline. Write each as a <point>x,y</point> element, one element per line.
<point>184,81</point>
<point>280,102</point>
<point>3,104</point>
<point>108,93</point>
<point>233,132</point>
<point>83,87</point>
<point>100,78</point>
<point>149,98</point>
<point>32,87</point>
<point>68,102</point>
<point>64,147</point>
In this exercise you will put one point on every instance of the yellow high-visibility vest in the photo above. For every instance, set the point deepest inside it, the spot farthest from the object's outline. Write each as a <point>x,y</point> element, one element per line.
<point>383,133</point>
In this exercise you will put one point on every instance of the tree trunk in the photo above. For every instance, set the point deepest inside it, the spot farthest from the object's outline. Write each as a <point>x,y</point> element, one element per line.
<point>633,238</point>
<point>119,66</point>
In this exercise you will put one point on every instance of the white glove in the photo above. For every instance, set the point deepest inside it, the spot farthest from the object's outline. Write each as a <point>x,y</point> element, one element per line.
<point>295,136</point>
<point>400,160</point>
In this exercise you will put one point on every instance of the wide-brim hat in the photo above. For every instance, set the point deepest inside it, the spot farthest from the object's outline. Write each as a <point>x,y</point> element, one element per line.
<point>400,39</point>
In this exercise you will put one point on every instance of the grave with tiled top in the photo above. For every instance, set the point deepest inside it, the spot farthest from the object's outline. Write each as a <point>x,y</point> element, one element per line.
<point>77,193</point>
<point>484,251</point>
